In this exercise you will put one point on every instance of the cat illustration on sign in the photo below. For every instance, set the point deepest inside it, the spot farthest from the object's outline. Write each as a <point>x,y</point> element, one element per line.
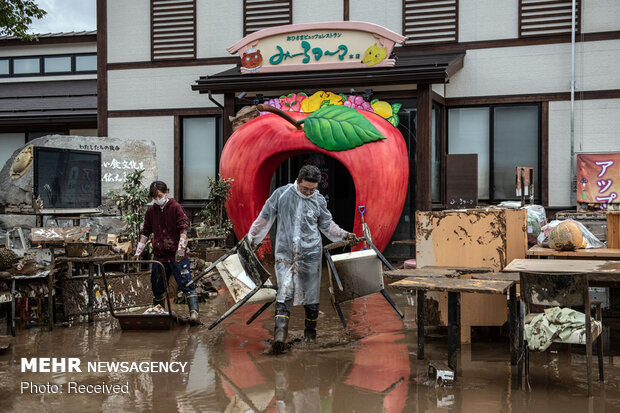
<point>374,55</point>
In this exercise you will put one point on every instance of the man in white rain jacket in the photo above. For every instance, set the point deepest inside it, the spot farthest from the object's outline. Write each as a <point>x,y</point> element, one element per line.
<point>302,212</point>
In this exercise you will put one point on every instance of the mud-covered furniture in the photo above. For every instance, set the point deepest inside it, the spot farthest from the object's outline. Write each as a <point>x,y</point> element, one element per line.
<point>91,262</point>
<point>489,237</point>
<point>46,281</point>
<point>588,253</point>
<point>560,290</point>
<point>454,287</point>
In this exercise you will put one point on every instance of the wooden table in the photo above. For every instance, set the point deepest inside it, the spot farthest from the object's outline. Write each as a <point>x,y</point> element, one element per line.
<point>454,287</point>
<point>91,261</point>
<point>512,314</point>
<point>420,272</point>
<point>587,253</point>
<point>601,273</point>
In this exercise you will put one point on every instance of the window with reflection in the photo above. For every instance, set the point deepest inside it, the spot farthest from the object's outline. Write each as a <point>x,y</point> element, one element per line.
<point>504,137</point>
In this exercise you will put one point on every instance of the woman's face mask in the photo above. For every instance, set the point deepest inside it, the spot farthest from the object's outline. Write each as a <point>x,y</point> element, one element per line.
<point>161,201</point>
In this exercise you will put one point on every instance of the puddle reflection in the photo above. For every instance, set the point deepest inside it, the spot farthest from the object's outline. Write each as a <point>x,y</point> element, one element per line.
<point>230,368</point>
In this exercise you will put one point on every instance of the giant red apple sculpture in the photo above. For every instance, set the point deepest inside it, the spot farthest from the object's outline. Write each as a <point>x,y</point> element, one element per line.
<point>372,150</point>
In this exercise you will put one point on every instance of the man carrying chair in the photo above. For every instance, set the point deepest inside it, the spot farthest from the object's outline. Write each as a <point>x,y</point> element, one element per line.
<point>302,212</point>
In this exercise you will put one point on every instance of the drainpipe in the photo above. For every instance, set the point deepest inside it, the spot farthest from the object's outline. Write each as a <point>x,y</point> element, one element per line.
<point>573,179</point>
<point>219,105</point>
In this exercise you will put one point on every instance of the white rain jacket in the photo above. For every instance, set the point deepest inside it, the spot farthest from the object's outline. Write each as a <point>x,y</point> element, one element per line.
<point>298,241</point>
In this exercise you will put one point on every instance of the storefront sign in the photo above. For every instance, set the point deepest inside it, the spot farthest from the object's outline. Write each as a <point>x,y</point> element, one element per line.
<point>598,180</point>
<point>317,46</point>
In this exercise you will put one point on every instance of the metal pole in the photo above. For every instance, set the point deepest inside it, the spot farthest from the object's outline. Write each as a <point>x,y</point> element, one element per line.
<point>573,175</point>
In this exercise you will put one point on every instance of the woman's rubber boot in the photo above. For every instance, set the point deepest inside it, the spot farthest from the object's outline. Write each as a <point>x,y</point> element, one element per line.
<point>161,300</point>
<point>312,314</point>
<point>281,329</point>
<point>192,303</point>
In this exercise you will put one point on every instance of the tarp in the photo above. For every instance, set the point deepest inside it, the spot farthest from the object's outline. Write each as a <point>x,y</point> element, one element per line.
<point>555,324</point>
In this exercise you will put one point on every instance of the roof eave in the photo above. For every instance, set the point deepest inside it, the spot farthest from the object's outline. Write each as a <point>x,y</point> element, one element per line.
<point>439,72</point>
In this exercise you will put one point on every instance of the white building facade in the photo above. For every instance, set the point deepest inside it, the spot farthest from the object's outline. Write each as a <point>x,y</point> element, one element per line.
<point>47,87</point>
<point>509,102</point>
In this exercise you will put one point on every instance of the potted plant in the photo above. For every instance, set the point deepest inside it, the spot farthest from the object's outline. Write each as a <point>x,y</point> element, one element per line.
<point>132,205</point>
<point>215,222</point>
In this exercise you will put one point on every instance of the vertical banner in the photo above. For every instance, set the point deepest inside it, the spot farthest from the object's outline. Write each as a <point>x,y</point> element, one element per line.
<point>598,181</point>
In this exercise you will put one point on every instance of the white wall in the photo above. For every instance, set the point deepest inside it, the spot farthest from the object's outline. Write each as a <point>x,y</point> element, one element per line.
<point>129,31</point>
<point>219,25</point>
<point>596,130</point>
<point>158,88</point>
<point>9,142</point>
<point>536,69</point>
<point>386,13</point>
<point>597,65</point>
<point>439,88</point>
<point>317,11</point>
<point>488,20</point>
<point>159,129</point>
<point>600,15</point>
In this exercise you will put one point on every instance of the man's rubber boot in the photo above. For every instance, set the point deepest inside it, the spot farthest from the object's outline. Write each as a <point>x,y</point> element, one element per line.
<point>192,303</point>
<point>281,329</point>
<point>161,300</point>
<point>312,314</point>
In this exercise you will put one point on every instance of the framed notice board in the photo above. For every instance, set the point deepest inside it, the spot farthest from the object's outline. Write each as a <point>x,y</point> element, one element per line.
<point>67,178</point>
<point>461,181</point>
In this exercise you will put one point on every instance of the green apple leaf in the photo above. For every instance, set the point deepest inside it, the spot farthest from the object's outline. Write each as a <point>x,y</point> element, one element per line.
<point>339,128</point>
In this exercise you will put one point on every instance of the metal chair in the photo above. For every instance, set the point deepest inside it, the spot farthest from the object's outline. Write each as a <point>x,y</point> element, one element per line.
<point>560,290</point>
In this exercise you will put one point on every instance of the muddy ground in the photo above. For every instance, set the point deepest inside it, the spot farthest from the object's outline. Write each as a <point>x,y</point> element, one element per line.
<point>230,368</point>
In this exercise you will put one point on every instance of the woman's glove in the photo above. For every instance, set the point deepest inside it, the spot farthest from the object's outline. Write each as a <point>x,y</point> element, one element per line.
<point>178,257</point>
<point>139,250</point>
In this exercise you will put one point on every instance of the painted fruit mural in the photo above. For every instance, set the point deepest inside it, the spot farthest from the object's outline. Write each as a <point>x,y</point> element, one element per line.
<point>370,147</point>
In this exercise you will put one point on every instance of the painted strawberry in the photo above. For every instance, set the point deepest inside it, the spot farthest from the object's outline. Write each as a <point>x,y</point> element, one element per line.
<point>292,102</point>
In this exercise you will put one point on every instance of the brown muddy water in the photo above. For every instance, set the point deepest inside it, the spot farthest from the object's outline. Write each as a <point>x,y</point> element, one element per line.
<point>229,369</point>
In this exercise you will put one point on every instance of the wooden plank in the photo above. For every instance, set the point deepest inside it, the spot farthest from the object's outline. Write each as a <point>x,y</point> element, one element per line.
<point>98,259</point>
<point>453,285</point>
<point>497,276</point>
<point>421,272</point>
<point>54,234</point>
<point>460,270</point>
<point>593,253</point>
<point>424,170</point>
<point>565,266</point>
<point>613,229</point>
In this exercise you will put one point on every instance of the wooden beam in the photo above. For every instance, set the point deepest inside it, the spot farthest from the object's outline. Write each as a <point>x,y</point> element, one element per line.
<point>229,110</point>
<point>544,154</point>
<point>102,73</point>
<point>178,164</point>
<point>423,165</point>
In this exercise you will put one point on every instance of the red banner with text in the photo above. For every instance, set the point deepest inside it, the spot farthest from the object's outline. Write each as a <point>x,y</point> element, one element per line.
<point>598,181</point>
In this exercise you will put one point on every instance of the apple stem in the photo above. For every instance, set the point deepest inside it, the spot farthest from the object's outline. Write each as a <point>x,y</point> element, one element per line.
<point>281,113</point>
